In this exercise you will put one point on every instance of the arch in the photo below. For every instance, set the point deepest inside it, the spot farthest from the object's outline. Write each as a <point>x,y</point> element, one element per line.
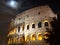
<point>39,24</point>
<point>33,25</point>
<point>22,39</point>
<point>46,35</point>
<point>14,39</point>
<point>33,38</point>
<point>40,37</point>
<point>18,28</point>
<point>46,23</point>
<point>45,20</point>
<point>9,41</point>
<point>27,27</point>
<point>27,38</point>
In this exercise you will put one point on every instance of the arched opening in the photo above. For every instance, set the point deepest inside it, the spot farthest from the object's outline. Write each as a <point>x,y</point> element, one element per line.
<point>46,24</point>
<point>9,41</point>
<point>18,28</point>
<point>33,38</point>
<point>27,27</point>
<point>46,35</point>
<point>22,39</point>
<point>14,40</point>
<point>33,25</point>
<point>40,37</point>
<point>39,24</point>
<point>27,38</point>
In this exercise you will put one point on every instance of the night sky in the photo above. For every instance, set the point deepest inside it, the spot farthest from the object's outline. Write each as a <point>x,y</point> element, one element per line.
<point>7,12</point>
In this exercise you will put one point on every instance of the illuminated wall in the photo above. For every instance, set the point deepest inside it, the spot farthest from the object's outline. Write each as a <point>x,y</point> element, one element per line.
<point>31,26</point>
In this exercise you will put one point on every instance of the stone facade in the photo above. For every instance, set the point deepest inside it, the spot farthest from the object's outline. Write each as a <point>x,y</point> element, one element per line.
<point>31,26</point>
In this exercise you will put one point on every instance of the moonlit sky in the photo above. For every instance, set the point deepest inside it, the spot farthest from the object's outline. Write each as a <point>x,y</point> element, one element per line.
<point>10,8</point>
<point>12,4</point>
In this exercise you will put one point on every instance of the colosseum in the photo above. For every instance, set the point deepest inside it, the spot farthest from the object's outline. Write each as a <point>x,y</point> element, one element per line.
<point>31,27</point>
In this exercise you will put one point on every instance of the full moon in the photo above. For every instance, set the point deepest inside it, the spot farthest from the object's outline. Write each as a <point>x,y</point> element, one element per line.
<point>13,4</point>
